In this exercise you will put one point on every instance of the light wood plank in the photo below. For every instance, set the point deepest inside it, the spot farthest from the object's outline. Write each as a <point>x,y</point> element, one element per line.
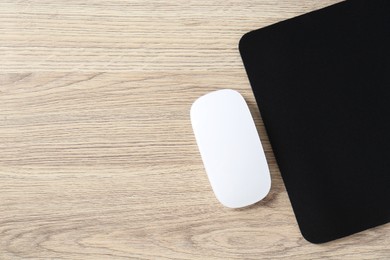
<point>97,155</point>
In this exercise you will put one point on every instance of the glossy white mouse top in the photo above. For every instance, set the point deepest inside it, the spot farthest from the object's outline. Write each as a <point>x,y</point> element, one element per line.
<point>230,147</point>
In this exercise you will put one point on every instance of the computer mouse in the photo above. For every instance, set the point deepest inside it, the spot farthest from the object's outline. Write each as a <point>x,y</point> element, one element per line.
<point>230,148</point>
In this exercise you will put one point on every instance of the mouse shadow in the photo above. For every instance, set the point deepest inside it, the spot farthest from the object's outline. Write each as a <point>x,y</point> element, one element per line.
<point>277,185</point>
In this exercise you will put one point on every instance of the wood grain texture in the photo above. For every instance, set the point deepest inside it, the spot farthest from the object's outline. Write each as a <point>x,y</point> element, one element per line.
<point>97,155</point>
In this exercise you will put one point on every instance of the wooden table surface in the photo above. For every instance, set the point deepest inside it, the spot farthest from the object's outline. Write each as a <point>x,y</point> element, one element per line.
<point>97,155</point>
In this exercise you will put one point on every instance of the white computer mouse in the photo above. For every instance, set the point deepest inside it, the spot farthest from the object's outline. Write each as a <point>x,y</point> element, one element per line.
<point>230,148</point>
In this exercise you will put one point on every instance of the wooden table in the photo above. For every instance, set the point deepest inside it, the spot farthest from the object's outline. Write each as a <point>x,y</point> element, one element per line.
<point>97,155</point>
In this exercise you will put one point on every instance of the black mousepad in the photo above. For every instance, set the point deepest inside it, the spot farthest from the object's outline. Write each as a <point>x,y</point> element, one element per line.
<point>322,84</point>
